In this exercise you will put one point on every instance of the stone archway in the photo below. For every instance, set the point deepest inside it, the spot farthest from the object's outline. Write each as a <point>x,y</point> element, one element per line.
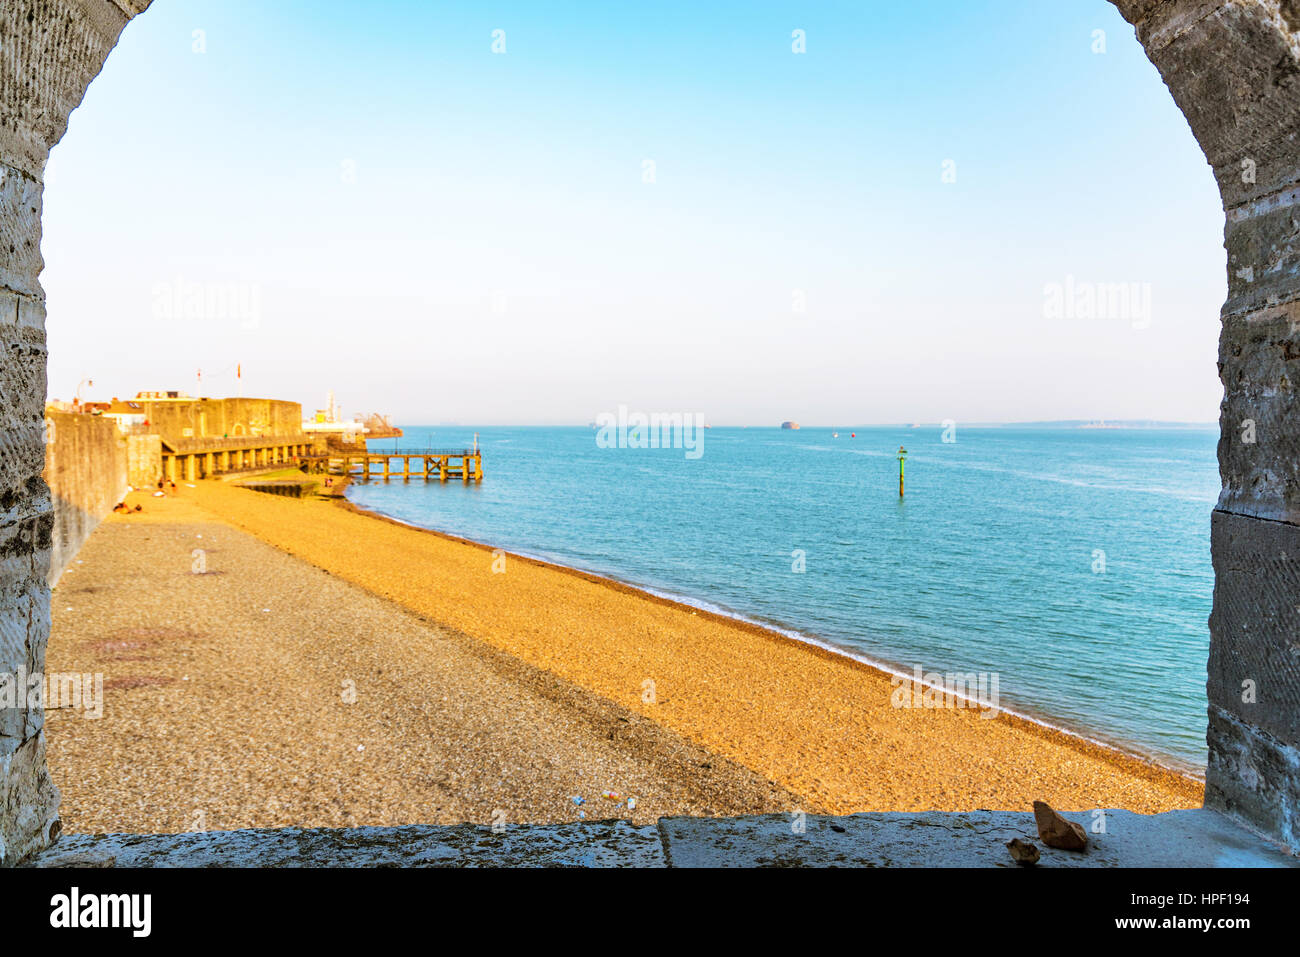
<point>1233,67</point>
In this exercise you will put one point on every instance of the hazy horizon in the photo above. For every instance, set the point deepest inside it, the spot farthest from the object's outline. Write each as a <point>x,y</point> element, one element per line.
<point>1118,423</point>
<point>756,212</point>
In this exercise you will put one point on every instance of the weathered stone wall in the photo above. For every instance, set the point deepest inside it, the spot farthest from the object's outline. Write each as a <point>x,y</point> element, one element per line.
<point>143,460</point>
<point>49,52</point>
<point>1233,67</point>
<point>86,469</point>
<point>1234,70</point>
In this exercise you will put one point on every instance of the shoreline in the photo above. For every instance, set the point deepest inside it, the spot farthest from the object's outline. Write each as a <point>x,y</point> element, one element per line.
<point>814,721</point>
<point>1140,763</point>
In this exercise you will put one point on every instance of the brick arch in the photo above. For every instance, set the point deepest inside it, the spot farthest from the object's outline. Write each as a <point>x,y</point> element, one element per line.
<point>1233,67</point>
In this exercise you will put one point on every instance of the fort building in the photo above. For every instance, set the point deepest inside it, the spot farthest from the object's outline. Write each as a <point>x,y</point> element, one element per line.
<point>202,437</point>
<point>96,451</point>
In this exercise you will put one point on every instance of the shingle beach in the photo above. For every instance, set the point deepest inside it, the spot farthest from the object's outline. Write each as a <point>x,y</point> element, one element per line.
<point>271,661</point>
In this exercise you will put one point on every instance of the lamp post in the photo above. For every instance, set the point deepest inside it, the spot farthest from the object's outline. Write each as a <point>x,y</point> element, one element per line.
<point>76,397</point>
<point>902,456</point>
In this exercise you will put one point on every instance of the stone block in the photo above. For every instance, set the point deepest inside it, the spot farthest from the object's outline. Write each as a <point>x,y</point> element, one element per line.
<point>1253,777</point>
<point>1259,442</point>
<point>1254,667</point>
<point>29,802</point>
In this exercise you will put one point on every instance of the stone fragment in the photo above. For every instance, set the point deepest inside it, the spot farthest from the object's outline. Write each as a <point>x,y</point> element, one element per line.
<point>1056,831</point>
<point>1022,852</point>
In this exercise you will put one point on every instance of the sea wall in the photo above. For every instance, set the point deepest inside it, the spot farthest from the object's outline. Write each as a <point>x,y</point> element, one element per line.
<point>144,460</point>
<point>87,470</point>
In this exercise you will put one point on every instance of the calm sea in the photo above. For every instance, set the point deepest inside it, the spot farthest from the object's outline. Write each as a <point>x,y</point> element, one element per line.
<point>1073,563</point>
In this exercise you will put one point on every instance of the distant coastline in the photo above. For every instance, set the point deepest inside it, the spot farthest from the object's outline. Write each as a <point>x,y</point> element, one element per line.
<point>1046,424</point>
<point>1036,424</point>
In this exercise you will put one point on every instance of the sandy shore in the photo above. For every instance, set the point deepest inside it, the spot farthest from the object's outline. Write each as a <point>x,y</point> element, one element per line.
<point>818,725</point>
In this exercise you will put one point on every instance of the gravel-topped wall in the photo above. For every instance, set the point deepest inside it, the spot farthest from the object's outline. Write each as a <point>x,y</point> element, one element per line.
<point>86,469</point>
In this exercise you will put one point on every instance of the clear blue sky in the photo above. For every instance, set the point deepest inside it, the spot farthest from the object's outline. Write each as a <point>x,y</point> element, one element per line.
<point>446,233</point>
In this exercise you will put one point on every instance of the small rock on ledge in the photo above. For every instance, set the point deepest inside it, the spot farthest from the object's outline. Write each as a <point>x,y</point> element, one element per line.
<point>1023,852</point>
<point>1056,831</point>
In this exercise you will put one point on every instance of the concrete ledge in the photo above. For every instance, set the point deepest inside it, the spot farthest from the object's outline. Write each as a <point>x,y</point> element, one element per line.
<point>1178,839</point>
<point>584,844</point>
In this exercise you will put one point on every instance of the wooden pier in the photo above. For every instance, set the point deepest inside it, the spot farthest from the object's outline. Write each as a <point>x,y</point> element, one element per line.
<point>429,464</point>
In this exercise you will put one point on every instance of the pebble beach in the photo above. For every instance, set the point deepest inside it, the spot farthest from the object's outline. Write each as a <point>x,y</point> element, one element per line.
<point>273,661</point>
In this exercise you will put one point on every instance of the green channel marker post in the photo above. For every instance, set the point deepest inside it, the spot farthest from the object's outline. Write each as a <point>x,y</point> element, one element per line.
<point>902,455</point>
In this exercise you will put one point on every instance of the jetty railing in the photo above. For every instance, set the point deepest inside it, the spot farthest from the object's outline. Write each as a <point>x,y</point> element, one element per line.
<point>443,464</point>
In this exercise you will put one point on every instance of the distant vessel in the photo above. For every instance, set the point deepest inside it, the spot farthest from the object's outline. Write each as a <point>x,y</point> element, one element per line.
<point>789,425</point>
<point>379,426</point>
<point>329,423</point>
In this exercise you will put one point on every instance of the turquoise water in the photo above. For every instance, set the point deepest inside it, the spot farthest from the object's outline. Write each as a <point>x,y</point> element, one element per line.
<point>992,563</point>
